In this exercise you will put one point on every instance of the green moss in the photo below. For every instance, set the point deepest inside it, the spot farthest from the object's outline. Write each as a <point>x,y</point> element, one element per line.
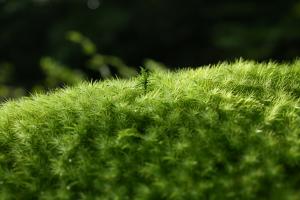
<point>230,131</point>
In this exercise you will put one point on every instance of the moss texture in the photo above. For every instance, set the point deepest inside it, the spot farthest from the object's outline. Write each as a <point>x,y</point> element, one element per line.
<point>230,131</point>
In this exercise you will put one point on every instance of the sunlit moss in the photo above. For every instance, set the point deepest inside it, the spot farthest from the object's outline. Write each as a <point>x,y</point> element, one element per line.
<point>229,131</point>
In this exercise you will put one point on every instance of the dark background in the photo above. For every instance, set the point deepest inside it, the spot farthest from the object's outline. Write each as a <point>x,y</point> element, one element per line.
<point>175,32</point>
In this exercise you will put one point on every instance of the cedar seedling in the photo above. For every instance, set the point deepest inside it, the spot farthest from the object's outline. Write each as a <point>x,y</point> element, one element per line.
<point>144,79</point>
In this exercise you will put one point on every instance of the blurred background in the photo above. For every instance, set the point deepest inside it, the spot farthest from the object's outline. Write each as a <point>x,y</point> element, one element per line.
<point>45,44</point>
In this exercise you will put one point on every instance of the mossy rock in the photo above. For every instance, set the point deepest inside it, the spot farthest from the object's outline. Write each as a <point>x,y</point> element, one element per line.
<point>230,131</point>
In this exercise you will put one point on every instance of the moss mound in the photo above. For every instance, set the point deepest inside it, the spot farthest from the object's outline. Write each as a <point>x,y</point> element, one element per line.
<point>230,131</point>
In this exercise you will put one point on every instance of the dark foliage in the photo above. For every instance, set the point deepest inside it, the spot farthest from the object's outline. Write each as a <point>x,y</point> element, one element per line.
<point>178,33</point>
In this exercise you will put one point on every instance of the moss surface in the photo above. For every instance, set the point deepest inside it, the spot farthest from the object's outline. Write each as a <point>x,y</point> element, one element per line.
<point>230,131</point>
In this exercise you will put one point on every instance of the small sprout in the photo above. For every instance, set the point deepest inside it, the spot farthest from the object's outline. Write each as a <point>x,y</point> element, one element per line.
<point>145,79</point>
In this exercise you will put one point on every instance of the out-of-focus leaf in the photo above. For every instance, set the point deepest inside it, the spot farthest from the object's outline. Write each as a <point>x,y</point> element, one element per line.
<point>58,74</point>
<point>6,71</point>
<point>153,65</point>
<point>86,44</point>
